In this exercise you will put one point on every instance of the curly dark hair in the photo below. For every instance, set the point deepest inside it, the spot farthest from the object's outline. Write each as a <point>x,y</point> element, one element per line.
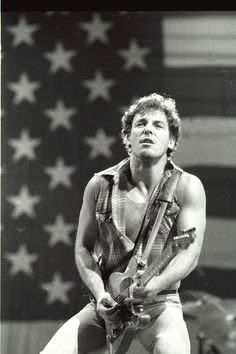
<point>151,102</point>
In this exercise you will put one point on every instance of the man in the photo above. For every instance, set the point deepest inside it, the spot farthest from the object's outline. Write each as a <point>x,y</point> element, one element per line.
<point>114,206</point>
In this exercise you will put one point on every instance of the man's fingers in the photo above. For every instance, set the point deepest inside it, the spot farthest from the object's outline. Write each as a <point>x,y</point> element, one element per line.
<point>138,274</point>
<point>112,310</point>
<point>111,317</point>
<point>138,289</point>
<point>108,302</point>
<point>132,300</point>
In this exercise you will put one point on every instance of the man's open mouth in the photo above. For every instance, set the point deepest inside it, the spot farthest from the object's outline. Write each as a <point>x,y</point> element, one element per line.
<point>146,141</point>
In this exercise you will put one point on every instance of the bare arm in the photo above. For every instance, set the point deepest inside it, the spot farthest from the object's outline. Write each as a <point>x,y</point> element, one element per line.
<point>192,200</point>
<point>87,234</point>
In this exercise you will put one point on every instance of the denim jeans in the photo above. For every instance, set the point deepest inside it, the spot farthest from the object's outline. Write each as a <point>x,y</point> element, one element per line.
<point>166,333</point>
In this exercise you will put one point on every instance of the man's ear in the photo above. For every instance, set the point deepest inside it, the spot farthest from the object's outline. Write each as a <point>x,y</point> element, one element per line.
<point>171,142</point>
<point>127,143</point>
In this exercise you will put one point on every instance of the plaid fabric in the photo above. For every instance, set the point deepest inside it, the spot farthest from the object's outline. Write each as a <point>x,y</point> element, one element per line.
<point>111,191</point>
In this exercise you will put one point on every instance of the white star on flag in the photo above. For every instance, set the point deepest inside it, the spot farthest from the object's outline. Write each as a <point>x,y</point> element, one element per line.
<point>24,146</point>
<point>60,116</point>
<point>59,231</point>
<point>100,144</point>
<point>57,289</point>
<point>60,58</point>
<point>23,203</point>
<point>60,174</point>
<point>134,55</point>
<point>22,32</point>
<point>23,89</point>
<point>96,29</point>
<point>99,86</point>
<point>21,261</point>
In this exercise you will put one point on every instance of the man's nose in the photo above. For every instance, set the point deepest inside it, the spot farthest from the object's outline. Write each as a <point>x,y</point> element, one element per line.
<point>148,128</point>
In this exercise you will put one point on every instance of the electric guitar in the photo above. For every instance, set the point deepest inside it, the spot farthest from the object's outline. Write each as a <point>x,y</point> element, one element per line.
<point>131,313</point>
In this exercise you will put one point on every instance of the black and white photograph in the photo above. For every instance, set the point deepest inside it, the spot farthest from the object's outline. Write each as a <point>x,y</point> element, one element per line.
<point>118,176</point>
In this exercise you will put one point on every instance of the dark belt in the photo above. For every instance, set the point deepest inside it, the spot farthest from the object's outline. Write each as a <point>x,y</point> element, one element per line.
<point>167,292</point>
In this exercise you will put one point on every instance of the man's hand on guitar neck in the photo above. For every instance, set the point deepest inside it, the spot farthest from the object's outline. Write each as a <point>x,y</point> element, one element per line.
<point>143,293</point>
<point>107,308</point>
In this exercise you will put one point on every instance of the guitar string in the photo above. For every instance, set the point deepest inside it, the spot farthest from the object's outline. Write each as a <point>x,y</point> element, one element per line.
<point>121,297</point>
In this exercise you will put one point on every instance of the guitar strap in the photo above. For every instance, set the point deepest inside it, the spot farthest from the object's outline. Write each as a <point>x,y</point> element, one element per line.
<point>163,199</point>
<point>151,209</point>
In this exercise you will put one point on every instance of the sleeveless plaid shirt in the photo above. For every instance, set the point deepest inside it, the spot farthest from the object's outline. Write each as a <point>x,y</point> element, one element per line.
<point>114,244</point>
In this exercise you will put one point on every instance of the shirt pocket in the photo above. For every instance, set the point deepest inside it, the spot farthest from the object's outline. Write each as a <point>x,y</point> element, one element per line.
<point>101,217</point>
<point>169,218</point>
<point>103,220</point>
<point>107,225</point>
<point>112,237</point>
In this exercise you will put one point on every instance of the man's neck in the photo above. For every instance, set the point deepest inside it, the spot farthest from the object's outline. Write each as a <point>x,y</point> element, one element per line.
<point>147,174</point>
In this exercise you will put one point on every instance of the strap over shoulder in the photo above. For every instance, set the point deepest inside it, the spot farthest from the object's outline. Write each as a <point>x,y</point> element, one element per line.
<point>169,188</point>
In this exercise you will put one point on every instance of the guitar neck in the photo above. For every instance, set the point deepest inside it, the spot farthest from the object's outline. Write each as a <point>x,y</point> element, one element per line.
<point>157,266</point>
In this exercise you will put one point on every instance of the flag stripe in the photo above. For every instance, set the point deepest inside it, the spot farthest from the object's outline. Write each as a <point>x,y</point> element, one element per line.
<point>206,41</point>
<point>219,282</point>
<point>65,83</point>
<point>219,246</point>
<point>208,141</point>
<point>31,337</point>
<point>26,337</point>
<point>219,184</point>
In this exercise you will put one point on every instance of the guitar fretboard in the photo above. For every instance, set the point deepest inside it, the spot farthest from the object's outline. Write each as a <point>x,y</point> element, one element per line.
<point>157,265</point>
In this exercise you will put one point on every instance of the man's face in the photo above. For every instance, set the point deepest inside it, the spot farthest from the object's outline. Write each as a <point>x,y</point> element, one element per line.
<point>150,136</point>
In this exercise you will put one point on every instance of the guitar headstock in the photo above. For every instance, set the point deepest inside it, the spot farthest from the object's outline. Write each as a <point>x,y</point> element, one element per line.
<point>183,240</point>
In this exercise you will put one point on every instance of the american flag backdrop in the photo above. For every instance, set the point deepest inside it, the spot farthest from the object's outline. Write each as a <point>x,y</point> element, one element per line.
<point>67,78</point>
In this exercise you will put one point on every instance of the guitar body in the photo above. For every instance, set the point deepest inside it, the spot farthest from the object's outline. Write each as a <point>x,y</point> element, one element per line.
<point>121,333</point>
<point>131,312</point>
<point>118,283</point>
